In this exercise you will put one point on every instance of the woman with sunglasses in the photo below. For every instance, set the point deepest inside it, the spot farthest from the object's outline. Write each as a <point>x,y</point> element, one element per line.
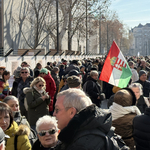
<point>37,100</point>
<point>48,131</point>
<point>18,86</point>
<point>4,85</point>
<point>18,135</point>
<point>141,102</point>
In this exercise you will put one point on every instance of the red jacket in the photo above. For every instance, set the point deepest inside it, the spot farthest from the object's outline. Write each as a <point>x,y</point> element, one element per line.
<point>51,88</point>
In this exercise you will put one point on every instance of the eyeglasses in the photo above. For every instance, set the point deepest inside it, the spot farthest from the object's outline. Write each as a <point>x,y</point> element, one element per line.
<point>51,131</point>
<point>24,72</point>
<point>41,85</point>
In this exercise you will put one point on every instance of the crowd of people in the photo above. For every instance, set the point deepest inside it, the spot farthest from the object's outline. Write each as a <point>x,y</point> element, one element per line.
<point>59,106</point>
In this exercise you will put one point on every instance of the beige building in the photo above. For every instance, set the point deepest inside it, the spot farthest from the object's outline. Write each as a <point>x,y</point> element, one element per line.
<point>141,39</point>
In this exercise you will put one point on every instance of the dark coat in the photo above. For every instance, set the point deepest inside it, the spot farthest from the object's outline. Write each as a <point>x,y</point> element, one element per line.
<point>93,89</point>
<point>82,131</point>
<point>38,146</point>
<point>56,79</point>
<point>141,104</point>
<point>15,86</point>
<point>124,127</point>
<point>141,131</point>
<point>146,87</point>
<point>36,106</point>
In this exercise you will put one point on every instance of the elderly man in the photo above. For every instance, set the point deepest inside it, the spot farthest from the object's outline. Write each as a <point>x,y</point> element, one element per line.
<point>19,84</point>
<point>144,82</point>
<point>93,88</point>
<point>80,121</point>
<point>48,131</point>
<point>2,139</point>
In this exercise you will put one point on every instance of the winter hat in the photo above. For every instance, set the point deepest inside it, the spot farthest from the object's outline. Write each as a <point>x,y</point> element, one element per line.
<point>125,97</point>
<point>73,72</point>
<point>73,81</point>
<point>44,70</point>
<point>141,72</point>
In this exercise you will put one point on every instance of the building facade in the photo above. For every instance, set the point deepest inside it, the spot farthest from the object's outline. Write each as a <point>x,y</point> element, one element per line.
<point>141,40</point>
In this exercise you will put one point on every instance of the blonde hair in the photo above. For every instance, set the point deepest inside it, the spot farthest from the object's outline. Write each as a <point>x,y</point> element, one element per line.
<point>37,80</point>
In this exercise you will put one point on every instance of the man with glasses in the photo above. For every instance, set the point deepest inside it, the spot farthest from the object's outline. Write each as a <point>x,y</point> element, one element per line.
<point>25,64</point>
<point>18,86</point>
<point>47,132</point>
<point>81,122</point>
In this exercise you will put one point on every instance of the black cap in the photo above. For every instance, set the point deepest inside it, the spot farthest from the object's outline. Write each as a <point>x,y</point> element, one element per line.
<point>73,72</point>
<point>2,135</point>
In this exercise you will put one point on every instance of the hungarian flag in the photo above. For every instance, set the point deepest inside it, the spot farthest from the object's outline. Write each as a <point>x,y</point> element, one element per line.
<point>116,70</point>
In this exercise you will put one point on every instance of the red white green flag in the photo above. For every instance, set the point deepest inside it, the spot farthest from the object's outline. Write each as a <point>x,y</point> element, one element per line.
<point>116,70</point>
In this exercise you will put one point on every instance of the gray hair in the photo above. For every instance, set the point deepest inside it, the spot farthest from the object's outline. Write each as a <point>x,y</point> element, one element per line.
<point>10,97</point>
<point>25,68</point>
<point>75,98</point>
<point>94,72</point>
<point>48,120</point>
<point>137,85</point>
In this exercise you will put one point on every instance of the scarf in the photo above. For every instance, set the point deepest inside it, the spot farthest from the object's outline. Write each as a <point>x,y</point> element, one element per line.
<point>118,111</point>
<point>40,91</point>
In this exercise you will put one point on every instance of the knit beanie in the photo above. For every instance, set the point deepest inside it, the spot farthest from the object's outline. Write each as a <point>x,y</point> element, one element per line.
<point>44,70</point>
<point>141,72</point>
<point>73,81</point>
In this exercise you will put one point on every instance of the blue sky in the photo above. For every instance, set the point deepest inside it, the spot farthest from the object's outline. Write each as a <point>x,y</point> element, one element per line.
<point>132,12</point>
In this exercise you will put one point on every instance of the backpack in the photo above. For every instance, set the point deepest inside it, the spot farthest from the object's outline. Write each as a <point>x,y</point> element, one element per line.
<point>85,84</point>
<point>114,141</point>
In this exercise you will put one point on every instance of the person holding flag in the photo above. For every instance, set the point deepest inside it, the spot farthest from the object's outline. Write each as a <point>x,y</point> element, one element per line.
<point>116,70</point>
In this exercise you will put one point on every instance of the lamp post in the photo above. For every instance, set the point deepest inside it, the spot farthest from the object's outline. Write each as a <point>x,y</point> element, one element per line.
<point>57,18</point>
<point>86,31</point>
<point>100,41</point>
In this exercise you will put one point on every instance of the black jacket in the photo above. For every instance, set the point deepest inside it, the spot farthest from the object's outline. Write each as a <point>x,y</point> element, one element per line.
<point>146,87</point>
<point>93,89</point>
<point>82,132</point>
<point>141,132</point>
<point>38,146</point>
<point>141,104</point>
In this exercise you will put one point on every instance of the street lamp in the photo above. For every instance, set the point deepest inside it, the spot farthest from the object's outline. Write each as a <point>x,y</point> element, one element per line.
<point>57,18</point>
<point>100,43</point>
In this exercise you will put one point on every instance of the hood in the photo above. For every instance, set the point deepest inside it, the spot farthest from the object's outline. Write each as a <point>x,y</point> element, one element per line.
<point>27,89</point>
<point>88,119</point>
<point>47,76</point>
<point>23,130</point>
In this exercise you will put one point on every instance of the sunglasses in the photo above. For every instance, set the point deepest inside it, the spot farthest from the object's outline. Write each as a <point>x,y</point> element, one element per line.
<point>41,85</point>
<point>24,72</point>
<point>51,131</point>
